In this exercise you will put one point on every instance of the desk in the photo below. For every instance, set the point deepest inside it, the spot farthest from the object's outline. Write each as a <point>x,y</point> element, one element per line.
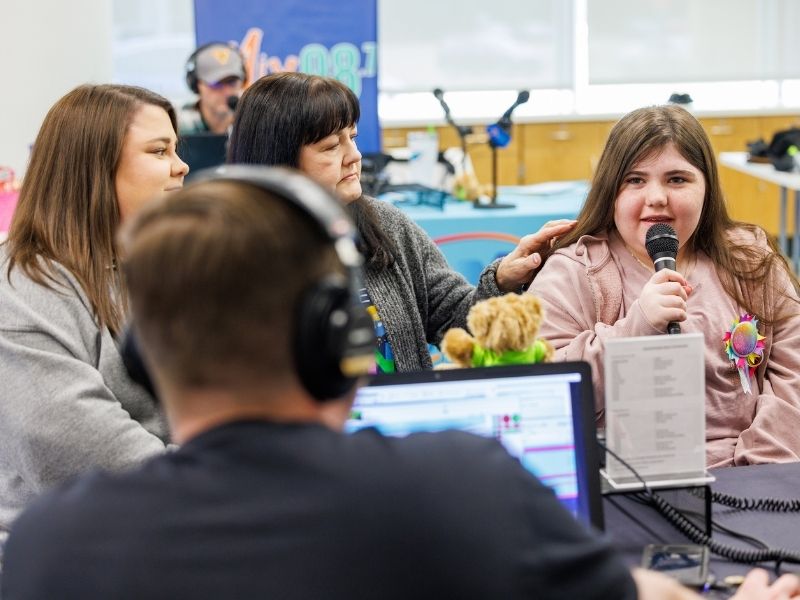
<point>786,181</point>
<point>782,530</point>
<point>471,238</point>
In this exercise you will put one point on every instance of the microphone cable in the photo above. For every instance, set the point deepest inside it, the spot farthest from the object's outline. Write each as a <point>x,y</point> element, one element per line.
<point>762,504</point>
<point>715,525</point>
<point>698,536</point>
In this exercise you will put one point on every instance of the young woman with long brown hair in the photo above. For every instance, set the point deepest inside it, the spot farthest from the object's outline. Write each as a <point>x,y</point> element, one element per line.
<point>658,167</point>
<point>102,152</point>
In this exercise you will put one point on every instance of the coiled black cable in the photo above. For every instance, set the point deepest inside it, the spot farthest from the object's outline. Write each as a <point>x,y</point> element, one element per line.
<point>763,504</point>
<point>698,536</point>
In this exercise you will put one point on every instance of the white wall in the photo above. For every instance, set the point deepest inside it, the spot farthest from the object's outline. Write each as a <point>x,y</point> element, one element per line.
<point>47,47</point>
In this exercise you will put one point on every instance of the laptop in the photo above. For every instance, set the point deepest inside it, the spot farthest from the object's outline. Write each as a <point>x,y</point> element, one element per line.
<point>543,414</point>
<point>202,150</point>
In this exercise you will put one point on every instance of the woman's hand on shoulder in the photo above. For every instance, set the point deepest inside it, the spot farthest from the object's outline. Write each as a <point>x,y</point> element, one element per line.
<point>663,298</point>
<point>517,268</point>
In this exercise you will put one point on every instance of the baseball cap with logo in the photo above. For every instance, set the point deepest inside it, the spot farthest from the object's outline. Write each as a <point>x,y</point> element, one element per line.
<point>217,62</point>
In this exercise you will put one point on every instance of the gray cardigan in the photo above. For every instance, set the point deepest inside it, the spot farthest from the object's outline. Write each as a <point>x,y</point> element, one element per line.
<point>66,403</point>
<point>419,297</point>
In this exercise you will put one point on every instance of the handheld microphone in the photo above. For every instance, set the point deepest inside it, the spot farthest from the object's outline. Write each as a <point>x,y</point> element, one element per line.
<point>500,132</point>
<point>662,244</point>
<point>232,101</point>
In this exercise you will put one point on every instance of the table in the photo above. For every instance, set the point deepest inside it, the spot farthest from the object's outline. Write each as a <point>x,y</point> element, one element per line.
<point>471,238</point>
<point>786,181</point>
<point>632,526</point>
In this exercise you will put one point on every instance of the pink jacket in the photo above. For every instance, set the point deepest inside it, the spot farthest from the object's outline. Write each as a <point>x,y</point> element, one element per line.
<point>590,293</point>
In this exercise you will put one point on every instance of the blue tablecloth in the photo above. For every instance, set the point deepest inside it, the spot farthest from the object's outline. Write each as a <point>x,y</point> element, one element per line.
<point>471,238</point>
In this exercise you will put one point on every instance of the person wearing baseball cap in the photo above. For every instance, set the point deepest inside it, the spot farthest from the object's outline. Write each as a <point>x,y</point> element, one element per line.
<point>216,73</point>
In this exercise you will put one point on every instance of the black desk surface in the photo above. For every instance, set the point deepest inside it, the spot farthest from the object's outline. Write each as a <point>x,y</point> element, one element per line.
<point>643,525</point>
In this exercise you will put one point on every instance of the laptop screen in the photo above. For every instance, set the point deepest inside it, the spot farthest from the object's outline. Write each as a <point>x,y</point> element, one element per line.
<point>542,414</point>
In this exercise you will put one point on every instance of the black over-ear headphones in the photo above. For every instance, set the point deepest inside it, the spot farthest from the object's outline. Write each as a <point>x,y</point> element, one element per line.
<point>191,64</point>
<point>334,336</point>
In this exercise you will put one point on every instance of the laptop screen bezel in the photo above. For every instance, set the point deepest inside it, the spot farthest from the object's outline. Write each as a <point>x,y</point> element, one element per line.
<point>583,421</point>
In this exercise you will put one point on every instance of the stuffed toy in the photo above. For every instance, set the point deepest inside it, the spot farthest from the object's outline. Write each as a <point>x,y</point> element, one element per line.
<point>504,332</point>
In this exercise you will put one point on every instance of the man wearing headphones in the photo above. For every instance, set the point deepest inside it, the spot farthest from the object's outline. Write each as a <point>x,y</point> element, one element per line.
<point>255,341</point>
<point>216,73</point>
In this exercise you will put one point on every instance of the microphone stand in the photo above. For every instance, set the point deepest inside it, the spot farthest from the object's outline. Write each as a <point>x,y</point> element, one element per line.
<point>462,130</point>
<point>499,137</point>
<point>494,203</point>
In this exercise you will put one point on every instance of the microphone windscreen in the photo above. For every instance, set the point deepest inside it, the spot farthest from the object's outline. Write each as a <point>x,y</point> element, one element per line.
<point>232,101</point>
<point>523,97</point>
<point>499,134</point>
<point>438,93</point>
<point>661,239</point>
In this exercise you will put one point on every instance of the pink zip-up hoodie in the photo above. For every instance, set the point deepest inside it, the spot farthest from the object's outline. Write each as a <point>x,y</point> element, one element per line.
<point>590,293</point>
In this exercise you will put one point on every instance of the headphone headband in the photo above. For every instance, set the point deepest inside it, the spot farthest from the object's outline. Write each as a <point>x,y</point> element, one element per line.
<point>190,67</point>
<point>333,335</point>
<point>305,194</point>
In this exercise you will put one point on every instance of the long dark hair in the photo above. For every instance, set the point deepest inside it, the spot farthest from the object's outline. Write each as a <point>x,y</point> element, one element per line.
<point>645,132</point>
<point>281,113</point>
<point>68,211</point>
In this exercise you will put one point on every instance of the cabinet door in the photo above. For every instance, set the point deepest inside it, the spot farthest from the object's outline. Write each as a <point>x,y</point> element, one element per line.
<point>394,137</point>
<point>562,151</point>
<point>741,191</point>
<point>769,125</point>
<point>770,192</point>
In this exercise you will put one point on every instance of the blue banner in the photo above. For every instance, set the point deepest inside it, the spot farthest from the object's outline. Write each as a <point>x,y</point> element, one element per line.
<point>336,39</point>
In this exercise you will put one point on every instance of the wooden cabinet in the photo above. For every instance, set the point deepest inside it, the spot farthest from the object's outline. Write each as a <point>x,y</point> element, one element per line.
<point>571,149</point>
<point>769,193</point>
<point>561,151</point>
<point>749,199</point>
<point>740,190</point>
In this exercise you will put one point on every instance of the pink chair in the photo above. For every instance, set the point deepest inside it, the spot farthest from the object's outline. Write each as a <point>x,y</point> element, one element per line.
<point>8,201</point>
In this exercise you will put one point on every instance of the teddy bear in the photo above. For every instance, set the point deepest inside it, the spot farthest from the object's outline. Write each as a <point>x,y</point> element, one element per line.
<point>504,331</point>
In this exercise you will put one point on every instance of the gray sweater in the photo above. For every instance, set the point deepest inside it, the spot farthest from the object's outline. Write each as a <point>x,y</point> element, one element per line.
<point>66,403</point>
<point>420,297</point>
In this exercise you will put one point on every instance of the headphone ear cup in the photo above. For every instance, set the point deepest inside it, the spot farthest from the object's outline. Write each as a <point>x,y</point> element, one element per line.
<point>133,361</point>
<point>322,324</point>
<point>191,73</point>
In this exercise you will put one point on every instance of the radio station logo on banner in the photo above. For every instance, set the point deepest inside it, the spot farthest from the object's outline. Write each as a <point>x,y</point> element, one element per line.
<point>311,37</point>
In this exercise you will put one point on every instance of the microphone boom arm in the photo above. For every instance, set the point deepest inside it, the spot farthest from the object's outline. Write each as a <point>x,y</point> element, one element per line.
<point>462,130</point>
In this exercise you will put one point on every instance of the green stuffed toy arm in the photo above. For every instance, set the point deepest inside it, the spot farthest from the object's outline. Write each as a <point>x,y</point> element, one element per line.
<point>540,351</point>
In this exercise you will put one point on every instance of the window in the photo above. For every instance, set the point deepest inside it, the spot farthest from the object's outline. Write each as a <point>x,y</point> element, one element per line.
<point>474,45</point>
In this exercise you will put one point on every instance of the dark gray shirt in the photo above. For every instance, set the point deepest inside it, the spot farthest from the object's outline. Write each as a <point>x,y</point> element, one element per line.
<point>264,510</point>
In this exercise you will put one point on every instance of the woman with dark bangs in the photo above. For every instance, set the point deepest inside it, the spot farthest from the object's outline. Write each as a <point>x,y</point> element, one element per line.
<point>310,123</point>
